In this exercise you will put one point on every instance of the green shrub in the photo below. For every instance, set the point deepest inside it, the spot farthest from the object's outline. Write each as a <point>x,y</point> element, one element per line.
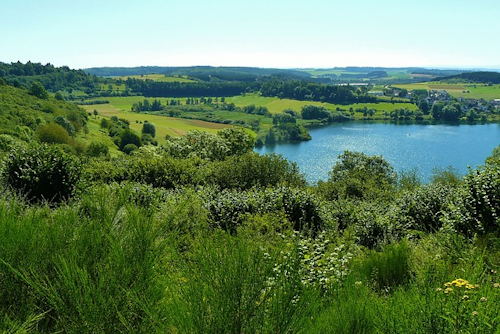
<point>129,137</point>
<point>96,149</point>
<point>422,208</point>
<point>53,133</point>
<point>62,121</point>
<point>359,176</point>
<point>129,148</point>
<point>228,208</point>
<point>7,142</point>
<point>42,173</point>
<point>446,176</point>
<point>475,205</point>
<point>225,143</point>
<point>254,170</point>
<point>59,96</point>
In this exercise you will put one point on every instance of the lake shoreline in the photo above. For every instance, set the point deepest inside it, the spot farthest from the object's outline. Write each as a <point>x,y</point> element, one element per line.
<point>405,145</point>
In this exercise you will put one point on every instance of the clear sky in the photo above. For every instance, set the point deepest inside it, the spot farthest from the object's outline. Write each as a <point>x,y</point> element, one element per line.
<point>262,33</point>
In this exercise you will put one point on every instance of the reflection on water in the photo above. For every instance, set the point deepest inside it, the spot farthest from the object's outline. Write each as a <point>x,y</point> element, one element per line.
<point>404,146</point>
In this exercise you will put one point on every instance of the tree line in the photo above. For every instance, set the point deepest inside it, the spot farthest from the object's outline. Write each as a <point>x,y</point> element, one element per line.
<point>308,91</point>
<point>152,88</point>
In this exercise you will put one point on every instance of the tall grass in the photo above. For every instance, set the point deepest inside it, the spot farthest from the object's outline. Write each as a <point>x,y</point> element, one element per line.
<point>230,285</point>
<point>84,273</point>
<point>130,259</point>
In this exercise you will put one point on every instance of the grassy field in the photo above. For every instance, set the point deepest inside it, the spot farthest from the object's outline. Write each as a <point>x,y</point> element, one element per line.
<point>164,125</point>
<point>276,105</point>
<point>466,90</point>
<point>114,87</point>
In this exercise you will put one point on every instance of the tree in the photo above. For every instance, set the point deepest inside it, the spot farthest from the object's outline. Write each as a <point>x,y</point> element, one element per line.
<point>129,137</point>
<point>270,138</point>
<point>95,113</point>
<point>59,96</point>
<point>38,90</point>
<point>436,110</point>
<point>149,128</point>
<point>450,113</point>
<point>237,140</point>
<point>424,106</point>
<point>357,175</point>
<point>96,149</point>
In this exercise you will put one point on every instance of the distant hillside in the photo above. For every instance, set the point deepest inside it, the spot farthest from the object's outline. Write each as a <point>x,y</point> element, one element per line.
<point>52,78</point>
<point>205,73</point>
<point>479,77</point>
<point>369,75</point>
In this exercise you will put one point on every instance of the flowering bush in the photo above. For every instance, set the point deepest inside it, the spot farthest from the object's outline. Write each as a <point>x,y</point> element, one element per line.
<point>469,307</point>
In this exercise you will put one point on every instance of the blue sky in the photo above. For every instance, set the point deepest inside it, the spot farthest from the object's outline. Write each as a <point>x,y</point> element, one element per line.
<point>262,33</point>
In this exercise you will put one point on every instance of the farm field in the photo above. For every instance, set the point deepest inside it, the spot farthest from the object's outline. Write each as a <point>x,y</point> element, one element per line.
<point>121,107</point>
<point>276,105</point>
<point>476,91</point>
<point>164,125</point>
<point>395,74</point>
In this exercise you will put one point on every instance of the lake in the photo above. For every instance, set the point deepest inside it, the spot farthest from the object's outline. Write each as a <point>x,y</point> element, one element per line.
<point>405,147</point>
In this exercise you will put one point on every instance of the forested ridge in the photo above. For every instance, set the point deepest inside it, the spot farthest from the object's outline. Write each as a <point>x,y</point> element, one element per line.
<point>202,235</point>
<point>479,77</point>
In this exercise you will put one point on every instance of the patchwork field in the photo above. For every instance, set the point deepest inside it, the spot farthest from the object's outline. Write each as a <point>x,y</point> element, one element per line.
<point>276,105</point>
<point>466,90</point>
<point>121,107</point>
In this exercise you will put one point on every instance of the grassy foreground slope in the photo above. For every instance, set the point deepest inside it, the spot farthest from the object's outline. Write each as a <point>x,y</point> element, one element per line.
<point>161,241</point>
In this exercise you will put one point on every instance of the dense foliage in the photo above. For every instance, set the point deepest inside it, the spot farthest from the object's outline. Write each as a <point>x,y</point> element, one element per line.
<point>51,77</point>
<point>483,77</point>
<point>172,234</point>
<point>152,88</point>
<point>301,90</point>
<point>42,173</point>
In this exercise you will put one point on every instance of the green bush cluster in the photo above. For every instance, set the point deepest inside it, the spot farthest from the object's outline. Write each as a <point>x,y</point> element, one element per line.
<point>42,173</point>
<point>228,208</point>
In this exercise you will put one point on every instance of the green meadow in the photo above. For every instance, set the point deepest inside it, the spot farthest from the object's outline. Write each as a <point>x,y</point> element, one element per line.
<point>276,105</point>
<point>164,125</point>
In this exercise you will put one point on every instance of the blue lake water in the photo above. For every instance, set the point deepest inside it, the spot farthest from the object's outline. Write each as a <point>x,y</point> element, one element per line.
<point>405,147</point>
